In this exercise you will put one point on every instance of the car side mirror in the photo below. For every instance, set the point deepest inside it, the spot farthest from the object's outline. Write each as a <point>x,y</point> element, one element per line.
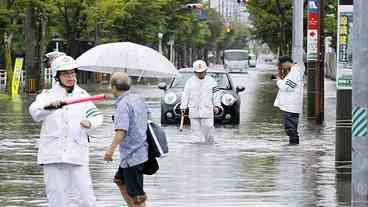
<point>162,86</point>
<point>240,89</point>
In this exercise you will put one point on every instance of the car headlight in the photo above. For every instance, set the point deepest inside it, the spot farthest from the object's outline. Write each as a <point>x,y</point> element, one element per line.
<point>170,98</point>
<point>228,99</point>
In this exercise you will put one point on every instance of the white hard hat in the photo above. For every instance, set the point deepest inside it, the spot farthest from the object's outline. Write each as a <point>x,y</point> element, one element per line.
<point>51,56</point>
<point>63,63</point>
<point>199,66</point>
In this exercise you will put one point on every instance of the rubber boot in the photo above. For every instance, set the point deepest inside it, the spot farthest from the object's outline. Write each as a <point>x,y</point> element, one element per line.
<point>294,140</point>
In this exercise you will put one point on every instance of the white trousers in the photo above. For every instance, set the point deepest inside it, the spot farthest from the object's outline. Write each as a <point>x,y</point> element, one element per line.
<point>203,129</point>
<point>68,185</point>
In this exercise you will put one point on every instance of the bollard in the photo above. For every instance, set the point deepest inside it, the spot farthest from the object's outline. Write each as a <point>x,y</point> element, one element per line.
<point>31,86</point>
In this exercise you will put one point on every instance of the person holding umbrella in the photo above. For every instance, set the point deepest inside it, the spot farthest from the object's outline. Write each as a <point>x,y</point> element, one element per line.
<point>130,124</point>
<point>63,144</point>
<point>290,96</point>
<point>199,97</point>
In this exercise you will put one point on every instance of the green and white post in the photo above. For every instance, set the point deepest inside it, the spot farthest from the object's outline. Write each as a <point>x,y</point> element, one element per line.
<point>360,105</point>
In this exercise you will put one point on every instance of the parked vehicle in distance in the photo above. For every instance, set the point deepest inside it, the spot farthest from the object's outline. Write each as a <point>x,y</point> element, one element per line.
<point>236,61</point>
<point>229,96</point>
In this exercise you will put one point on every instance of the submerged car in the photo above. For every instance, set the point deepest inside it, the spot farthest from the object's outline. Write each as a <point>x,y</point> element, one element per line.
<point>228,94</point>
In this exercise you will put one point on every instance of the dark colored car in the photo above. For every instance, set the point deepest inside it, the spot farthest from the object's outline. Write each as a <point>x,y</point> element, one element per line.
<point>230,100</point>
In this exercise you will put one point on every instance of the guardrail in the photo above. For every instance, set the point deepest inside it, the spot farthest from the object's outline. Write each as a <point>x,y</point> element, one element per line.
<point>2,79</point>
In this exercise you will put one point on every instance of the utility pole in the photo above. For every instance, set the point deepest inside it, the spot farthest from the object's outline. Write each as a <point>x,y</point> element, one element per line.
<point>315,58</point>
<point>344,84</point>
<point>320,81</point>
<point>360,105</point>
<point>298,34</point>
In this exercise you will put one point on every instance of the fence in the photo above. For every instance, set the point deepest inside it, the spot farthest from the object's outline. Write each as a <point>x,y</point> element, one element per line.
<point>3,82</point>
<point>2,79</point>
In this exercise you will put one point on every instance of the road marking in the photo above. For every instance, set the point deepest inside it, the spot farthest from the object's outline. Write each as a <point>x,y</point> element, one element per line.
<point>360,121</point>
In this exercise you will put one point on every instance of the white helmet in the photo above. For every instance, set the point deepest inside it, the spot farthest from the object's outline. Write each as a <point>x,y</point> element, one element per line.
<point>199,66</point>
<point>63,63</point>
<point>51,56</point>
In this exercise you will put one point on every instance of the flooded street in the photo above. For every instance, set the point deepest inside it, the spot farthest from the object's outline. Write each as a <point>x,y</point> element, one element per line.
<point>250,165</point>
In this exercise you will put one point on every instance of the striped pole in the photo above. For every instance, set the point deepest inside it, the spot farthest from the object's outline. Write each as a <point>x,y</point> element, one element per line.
<point>360,105</point>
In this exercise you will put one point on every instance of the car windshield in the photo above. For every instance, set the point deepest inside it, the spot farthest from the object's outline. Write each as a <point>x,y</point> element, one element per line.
<point>221,79</point>
<point>237,56</point>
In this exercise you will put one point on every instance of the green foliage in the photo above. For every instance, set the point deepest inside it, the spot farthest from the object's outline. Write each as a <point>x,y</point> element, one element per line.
<point>140,21</point>
<point>272,21</point>
<point>120,20</point>
<point>330,20</point>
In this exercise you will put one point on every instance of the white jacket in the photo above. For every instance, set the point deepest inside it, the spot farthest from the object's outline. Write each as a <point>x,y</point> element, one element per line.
<point>291,88</point>
<point>62,139</point>
<point>199,97</point>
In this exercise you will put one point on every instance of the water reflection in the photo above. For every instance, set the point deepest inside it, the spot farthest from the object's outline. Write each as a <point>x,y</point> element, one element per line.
<point>250,165</point>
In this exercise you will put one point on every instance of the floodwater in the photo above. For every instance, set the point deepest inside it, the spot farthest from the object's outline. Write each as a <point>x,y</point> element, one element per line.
<point>250,165</point>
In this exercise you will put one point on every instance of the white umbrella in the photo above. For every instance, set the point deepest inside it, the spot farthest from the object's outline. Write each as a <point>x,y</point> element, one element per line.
<point>124,56</point>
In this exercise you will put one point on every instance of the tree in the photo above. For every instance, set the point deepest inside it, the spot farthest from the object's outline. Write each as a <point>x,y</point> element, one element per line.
<point>10,21</point>
<point>140,21</point>
<point>70,19</point>
<point>272,21</point>
<point>35,30</point>
<point>330,20</point>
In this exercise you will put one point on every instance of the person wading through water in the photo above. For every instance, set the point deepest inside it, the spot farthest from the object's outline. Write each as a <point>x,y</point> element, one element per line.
<point>290,96</point>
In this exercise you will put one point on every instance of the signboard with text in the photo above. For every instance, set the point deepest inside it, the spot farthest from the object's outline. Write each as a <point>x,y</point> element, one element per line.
<point>16,76</point>
<point>313,30</point>
<point>344,47</point>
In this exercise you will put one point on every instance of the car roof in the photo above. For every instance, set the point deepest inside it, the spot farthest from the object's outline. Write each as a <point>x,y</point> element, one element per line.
<point>238,50</point>
<point>210,70</point>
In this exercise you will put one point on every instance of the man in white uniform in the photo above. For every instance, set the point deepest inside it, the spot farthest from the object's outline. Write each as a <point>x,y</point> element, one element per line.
<point>63,144</point>
<point>290,96</point>
<point>199,97</point>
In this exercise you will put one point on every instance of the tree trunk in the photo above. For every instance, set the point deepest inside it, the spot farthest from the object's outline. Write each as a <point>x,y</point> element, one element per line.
<point>8,60</point>
<point>43,48</point>
<point>185,61</point>
<point>283,27</point>
<point>31,66</point>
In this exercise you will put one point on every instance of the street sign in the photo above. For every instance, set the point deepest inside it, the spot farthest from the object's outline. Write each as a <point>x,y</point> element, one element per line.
<point>344,47</point>
<point>313,30</point>
<point>312,44</point>
<point>16,76</point>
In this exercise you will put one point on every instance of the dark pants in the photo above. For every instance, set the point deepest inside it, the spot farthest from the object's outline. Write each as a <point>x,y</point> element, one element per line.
<point>132,178</point>
<point>291,121</point>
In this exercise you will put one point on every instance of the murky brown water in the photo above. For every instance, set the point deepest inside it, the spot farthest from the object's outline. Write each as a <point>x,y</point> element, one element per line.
<point>250,165</point>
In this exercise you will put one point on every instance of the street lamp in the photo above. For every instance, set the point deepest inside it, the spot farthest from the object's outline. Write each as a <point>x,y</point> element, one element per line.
<point>57,40</point>
<point>171,43</point>
<point>160,36</point>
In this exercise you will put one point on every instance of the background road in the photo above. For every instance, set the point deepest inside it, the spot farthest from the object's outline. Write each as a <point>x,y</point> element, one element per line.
<point>250,165</point>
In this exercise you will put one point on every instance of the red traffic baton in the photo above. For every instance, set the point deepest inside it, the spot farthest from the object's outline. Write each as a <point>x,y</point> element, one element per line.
<point>79,100</point>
